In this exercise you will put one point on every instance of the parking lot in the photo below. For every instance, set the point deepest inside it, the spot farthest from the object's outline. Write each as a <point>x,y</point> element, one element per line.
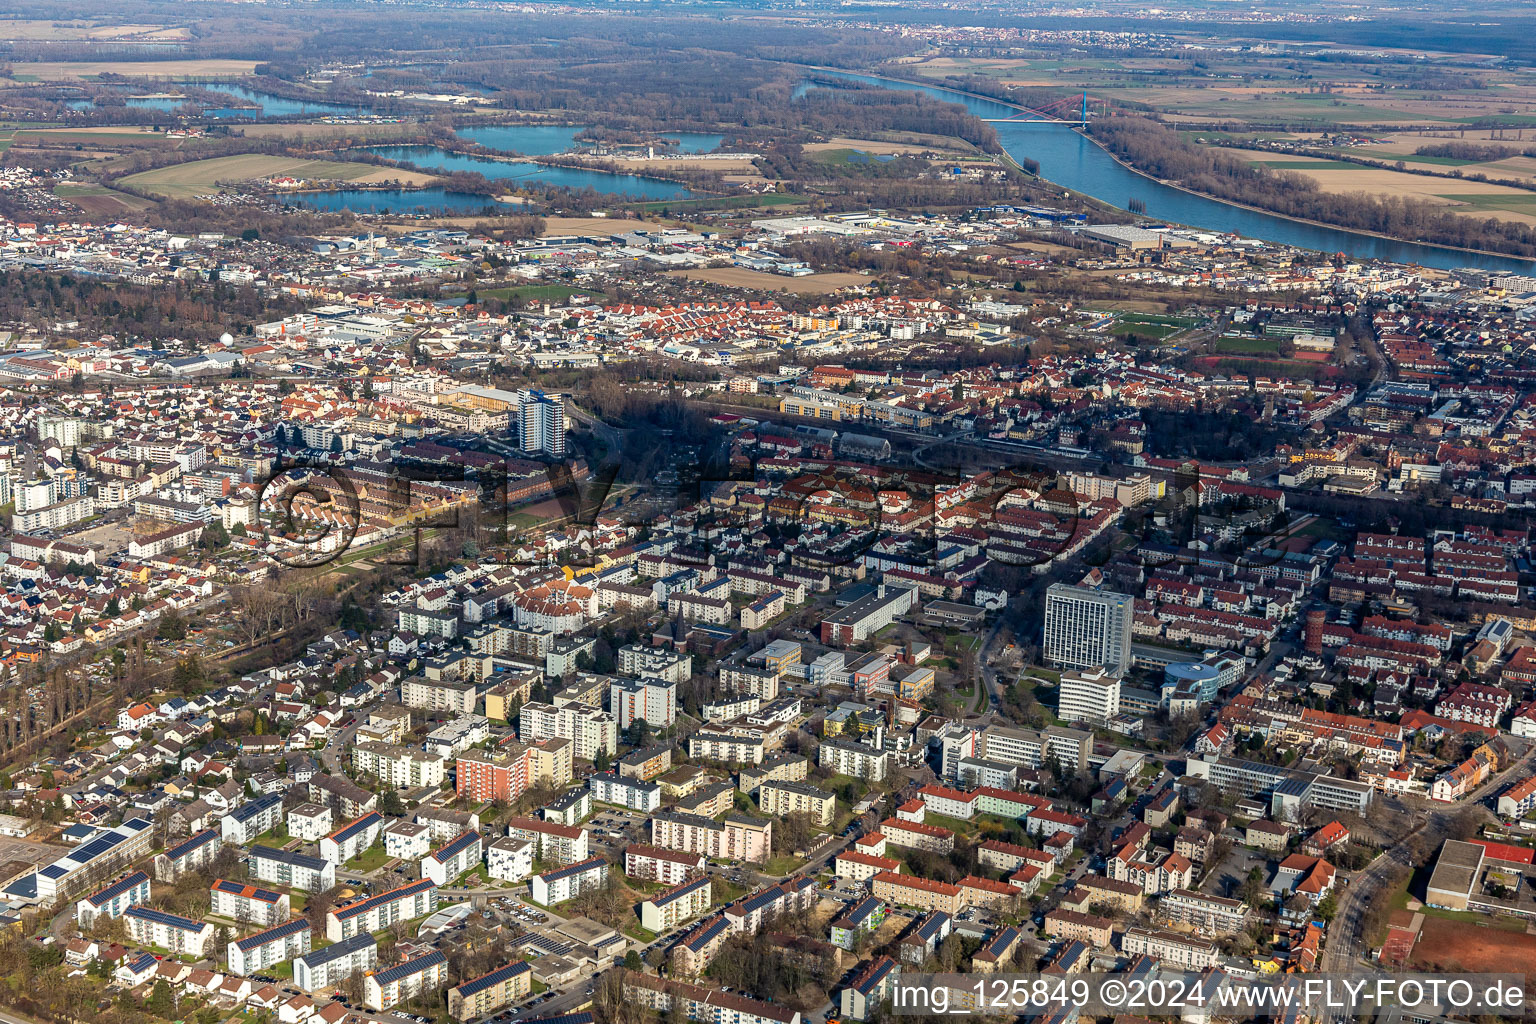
<point>613,828</point>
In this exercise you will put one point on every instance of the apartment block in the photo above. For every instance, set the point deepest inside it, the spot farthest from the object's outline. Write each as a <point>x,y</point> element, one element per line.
<point>398,766</point>
<point>296,870</point>
<point>459,855</point>
<point>330,966</point>
<point>352,838</point>
<point>113,900</point>
<point>636,794</point>
<point>1174,949</point>
<point>376,912</point>
<point>483,996</point>
<point>777,799</point>
<point>737,838</point>
<point>655,864</point>
<point>667,910</point>
<point>266,949</point>
<point>562,844</point>
<point>403,981</point>
<point>248,904</point>
<point>509,860</point>
<point>589,728</point>
<point>551,887</point>
<point>846,757</point>
<point>180,935</point>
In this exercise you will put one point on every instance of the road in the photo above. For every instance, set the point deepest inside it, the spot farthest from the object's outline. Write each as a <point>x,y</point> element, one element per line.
<point>1346,944</point>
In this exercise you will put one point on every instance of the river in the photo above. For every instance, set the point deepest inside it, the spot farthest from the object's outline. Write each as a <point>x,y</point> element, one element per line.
<point>1068,158</point>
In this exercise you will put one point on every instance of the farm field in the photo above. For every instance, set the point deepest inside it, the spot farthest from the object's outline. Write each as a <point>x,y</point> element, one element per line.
<point>741,277</point>
<point>100,200</point>
<point>740,169</point>
<point>912,144</point>
<point>322,130</point>
<point>200,177</point>
<point>20,29</point>
<point>1458,195</point>
<point>55,70</point>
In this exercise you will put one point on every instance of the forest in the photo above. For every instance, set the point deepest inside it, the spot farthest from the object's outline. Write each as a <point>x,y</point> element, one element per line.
<point>1163,153</point>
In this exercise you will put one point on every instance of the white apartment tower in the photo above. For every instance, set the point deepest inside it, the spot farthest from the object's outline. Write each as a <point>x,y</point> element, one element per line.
<point>540,422</point>
<point>1087,628</point>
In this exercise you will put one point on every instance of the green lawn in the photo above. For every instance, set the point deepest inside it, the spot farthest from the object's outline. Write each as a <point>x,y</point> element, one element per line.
<point>370,859</point>
<point>1247,345</point>
<point>636,932</point>
<point>955,825</point>
<point>782,865</point>
<point>725,892</point>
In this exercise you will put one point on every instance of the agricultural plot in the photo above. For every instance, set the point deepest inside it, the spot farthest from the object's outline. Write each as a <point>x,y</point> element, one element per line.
<point>199,177</point>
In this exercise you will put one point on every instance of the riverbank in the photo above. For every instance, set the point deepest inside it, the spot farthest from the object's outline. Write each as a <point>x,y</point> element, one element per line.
<point>1295,220</point>
<point>1100,175</point>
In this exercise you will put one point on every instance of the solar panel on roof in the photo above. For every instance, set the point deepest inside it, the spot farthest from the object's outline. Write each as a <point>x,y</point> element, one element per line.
<point>496,977</point>
<point>413,966</point>
<point>118,887</point>
<point>282,931</point>
<point>456,846</point>
<point>161,917</point>
<point>337,950</point>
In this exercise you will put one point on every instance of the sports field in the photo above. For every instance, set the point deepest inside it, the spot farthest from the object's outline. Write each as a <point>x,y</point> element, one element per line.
<point>199,177</point>
<point>1451,945</point>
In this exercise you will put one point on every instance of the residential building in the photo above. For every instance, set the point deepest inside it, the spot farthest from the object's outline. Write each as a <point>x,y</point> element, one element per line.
<point>655,864</point>
<point>666,910</point>
<point>297,870</point>
<point>1174,949</point>
<point>249,820</point>
<point>113,900</point>
<point>248,904</point>
<point>1086,628</point>
<point>480,997</point>
<point>329,966</point>
<point>778,799</point>
<point>1088,695</point>
<point>561,884</point>
<point>376,912</point>
<point>352,838</point>
<point>180,935</point>
<point>636,794</point>
<point>403,981</point>
<point>738,837</point>
<point>256,953</point>
<point>443,866</point>
<point>509,860</point>
<point>653,701</point>
<point>562,844</point>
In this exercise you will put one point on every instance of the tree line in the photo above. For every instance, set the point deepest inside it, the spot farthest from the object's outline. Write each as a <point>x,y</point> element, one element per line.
<point>1163,153</point>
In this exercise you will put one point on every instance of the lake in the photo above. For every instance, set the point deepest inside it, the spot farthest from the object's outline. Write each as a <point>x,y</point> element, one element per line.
<point>433,158</point>
<point>1068,158</point>
<point>546,139</point>
<point>262,104</point>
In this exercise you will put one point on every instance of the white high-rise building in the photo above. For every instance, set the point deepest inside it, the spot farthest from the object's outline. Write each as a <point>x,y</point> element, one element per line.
<point>1087,628</point>
<point>654,700</point>
<point>540,422</point>
<point>1088,695</point>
